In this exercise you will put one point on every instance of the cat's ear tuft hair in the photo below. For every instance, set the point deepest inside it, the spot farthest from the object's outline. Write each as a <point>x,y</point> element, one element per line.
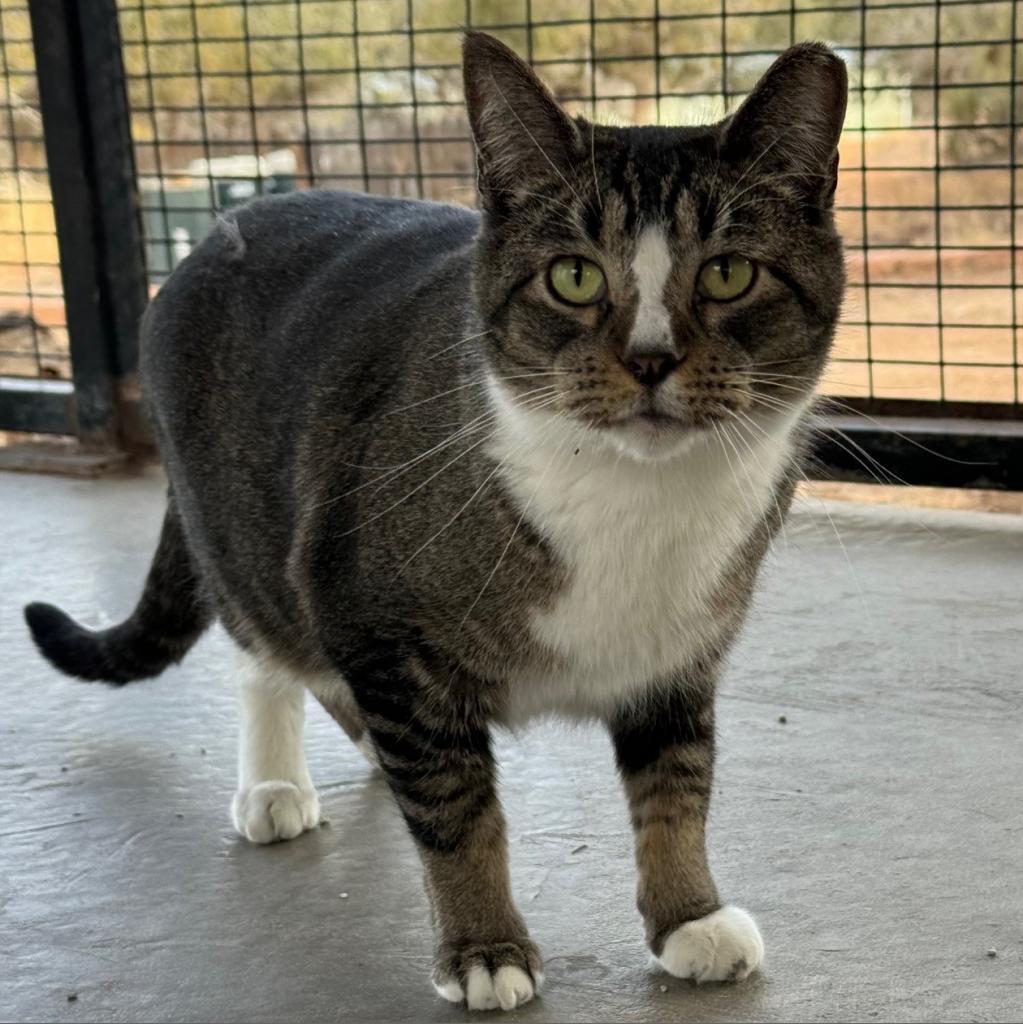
<point>520,132</point>
<point>792,120</point>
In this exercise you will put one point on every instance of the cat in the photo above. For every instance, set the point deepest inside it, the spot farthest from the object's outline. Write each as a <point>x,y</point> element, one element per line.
<point>450,470</point>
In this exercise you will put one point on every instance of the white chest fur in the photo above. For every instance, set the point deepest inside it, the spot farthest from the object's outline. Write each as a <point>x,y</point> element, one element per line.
<point>645,545</point>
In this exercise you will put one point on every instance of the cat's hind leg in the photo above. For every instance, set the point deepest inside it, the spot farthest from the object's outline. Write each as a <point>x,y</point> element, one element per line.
<point>335,696</point>
<point>276,799</point>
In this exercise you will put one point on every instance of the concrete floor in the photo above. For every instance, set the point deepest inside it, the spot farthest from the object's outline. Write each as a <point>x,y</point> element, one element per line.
<point>877,834</point>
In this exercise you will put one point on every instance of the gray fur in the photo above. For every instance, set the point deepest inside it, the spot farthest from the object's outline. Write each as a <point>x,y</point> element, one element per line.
<point>317,374</point>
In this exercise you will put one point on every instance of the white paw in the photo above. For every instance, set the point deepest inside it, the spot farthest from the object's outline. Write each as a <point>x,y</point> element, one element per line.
<point>507,988</point>
<point>273,811</point>
<point>723,946</point>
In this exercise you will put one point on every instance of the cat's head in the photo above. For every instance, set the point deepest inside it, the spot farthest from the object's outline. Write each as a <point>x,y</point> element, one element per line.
<point>649,282</point>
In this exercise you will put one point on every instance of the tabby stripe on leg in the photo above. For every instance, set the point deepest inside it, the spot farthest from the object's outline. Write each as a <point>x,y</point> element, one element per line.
<point>665,753</point>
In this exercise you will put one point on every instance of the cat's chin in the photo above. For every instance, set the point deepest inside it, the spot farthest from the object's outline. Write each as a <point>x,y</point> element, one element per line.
<point>655,440</point>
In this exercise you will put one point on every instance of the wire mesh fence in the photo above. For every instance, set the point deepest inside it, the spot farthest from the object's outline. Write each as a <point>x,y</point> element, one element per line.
<point>231,99</point>
<point>33,326</point>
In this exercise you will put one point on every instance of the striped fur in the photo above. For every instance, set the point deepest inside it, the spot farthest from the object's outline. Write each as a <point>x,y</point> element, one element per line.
<point>408,477</point>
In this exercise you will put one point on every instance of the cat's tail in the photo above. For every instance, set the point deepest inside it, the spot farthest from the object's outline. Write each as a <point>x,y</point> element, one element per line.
<point>168,619</point>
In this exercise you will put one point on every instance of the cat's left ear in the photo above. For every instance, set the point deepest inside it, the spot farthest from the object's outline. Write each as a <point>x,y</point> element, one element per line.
<point>792,120</point>
<point>521,133</point>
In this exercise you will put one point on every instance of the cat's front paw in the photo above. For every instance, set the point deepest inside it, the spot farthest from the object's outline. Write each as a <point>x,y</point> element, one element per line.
<point>274,811</point>
<point>723,946</point>
<point>488,976</point>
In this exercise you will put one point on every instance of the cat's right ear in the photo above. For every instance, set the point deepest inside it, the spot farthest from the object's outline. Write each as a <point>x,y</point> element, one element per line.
<point>520,132</point>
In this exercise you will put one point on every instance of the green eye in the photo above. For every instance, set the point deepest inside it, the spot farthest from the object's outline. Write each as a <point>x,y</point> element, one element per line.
<point>577,281</point>
<point>725,278</point>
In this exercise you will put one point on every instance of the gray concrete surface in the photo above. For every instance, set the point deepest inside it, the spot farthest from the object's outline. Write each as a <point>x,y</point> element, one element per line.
<point>877,834</point>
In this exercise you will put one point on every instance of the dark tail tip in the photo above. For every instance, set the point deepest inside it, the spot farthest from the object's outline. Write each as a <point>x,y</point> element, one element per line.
<point>72,648</point>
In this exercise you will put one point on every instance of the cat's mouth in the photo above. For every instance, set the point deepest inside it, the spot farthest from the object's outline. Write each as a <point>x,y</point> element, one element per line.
<point>654,425</point>
<point>657,419</point>
<point>650,418</point>
<point>652,434</point>
<point>654,417</point>
<point>655,432</point>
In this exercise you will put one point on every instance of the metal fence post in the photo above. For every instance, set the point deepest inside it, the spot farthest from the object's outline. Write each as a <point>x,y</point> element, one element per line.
<point>86,127</point>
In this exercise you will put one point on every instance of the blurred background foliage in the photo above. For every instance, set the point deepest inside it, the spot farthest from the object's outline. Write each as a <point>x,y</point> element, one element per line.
<point>367,94</point>
<point>276,72</point>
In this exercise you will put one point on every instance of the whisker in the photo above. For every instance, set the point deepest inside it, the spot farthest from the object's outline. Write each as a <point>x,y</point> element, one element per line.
<point>742,177</point>
<point>740,438</point>
<point>539,195</point>
<point>479,490</point>
<point>422,547</point>
<point>829,399</point>
<point>477,382</point>
<point>593,162</point>
<point>874,468</point>
<point>773,362</point>
<point>461,341</point>
<point>525,510</point>
<point>823,401</point>
<point>393,472</point>
<point>373,518</point>
<point>771,401</point>
<point>764,183</point>
<point>532,139</point>
<point>848,562</point>
<point>461,429</point>
<point>487,437</point>
<point>734,438</point>
<point>720,434</point>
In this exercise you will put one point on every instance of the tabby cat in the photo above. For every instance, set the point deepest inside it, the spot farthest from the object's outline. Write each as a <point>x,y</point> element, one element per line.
<point>450,470</point>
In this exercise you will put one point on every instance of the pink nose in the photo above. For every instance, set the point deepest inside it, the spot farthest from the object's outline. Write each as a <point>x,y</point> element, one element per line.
<point>651,369</point>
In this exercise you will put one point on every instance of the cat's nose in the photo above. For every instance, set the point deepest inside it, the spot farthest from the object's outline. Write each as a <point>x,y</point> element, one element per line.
<point>650,369</point>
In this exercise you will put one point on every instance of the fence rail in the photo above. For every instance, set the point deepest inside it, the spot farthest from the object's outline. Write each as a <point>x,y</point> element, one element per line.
<point>159,114</point>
